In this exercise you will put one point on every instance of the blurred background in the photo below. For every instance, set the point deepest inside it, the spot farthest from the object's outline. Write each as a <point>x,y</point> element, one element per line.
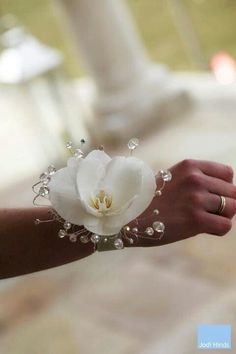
<point>105,71</point>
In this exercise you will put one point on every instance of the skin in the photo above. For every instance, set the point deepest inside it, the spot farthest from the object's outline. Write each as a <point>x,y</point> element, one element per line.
<point>189,203</point>
<point>187,207</point>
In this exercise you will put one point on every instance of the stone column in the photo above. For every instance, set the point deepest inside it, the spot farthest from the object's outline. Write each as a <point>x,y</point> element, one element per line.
<point>129,93</point>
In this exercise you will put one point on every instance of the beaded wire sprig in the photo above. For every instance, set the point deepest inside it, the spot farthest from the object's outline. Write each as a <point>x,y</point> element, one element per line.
<point>155,230</point>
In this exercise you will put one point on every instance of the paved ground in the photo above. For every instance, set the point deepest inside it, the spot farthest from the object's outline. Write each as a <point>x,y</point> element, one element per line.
<point>138,301</point>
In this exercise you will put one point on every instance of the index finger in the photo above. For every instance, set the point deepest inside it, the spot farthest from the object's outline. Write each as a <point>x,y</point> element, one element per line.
<point>215,169</point>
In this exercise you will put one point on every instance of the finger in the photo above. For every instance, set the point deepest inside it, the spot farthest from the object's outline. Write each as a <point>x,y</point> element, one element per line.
<point>217,186</point>
<point>215,224</point>
<point>217,170</point>
<point>212,203</point>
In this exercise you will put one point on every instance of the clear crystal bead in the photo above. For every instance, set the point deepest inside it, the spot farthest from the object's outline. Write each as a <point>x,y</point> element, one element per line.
<point>73,238</point>
<point>165,175</point>
<point>51,170</point>
<point>149,231</point>
<point>78,153</point>
<point>135,230</point>
<point>158,226</point>
<point>127,228</point>
<point>84,239</point>
<point>37,221</point>
<point>95,238</point>
<point>118,243</point>
<point>131,241</point>
<point>46,181</point>
<point>62,233</point>
<point>156,211</point>
<point>158,193</point>
<point>43,176</point>
<point>133,143</point>
<point>43,191</point>
<point>69,145</point>
<point>67,225</point>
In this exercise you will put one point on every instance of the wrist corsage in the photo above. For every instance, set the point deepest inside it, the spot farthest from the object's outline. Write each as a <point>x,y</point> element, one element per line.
<point>96,196</point>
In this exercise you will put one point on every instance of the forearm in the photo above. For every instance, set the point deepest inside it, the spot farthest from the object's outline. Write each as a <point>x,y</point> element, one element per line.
<point>27,248</point>
<point>187,207</point>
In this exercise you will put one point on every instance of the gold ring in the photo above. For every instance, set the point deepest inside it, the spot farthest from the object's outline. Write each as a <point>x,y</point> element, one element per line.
<point>222,205</point>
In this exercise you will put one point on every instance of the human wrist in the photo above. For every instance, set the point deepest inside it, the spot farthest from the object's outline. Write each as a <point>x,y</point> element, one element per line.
<point>92,204</point>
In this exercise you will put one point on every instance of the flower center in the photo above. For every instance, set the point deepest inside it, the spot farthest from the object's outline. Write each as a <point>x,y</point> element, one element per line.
<point>102,201</point>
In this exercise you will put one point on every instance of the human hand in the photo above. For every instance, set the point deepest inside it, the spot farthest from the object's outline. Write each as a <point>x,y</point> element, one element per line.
<point>189,203</point>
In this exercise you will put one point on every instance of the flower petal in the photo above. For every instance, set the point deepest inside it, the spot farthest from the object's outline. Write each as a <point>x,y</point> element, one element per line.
<point>65,201</point>
<point>72,164</point>
<point>138,204</point>
<point>146,195</point>
<point>99,229</point>
<point>111,224</point>
<point>99,155</point>
<point>123,178</point>
<point>130,181</point>
<point>89,173</point>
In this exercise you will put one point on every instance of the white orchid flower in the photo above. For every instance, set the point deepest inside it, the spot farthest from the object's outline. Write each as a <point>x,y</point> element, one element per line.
<point>102,193</point>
